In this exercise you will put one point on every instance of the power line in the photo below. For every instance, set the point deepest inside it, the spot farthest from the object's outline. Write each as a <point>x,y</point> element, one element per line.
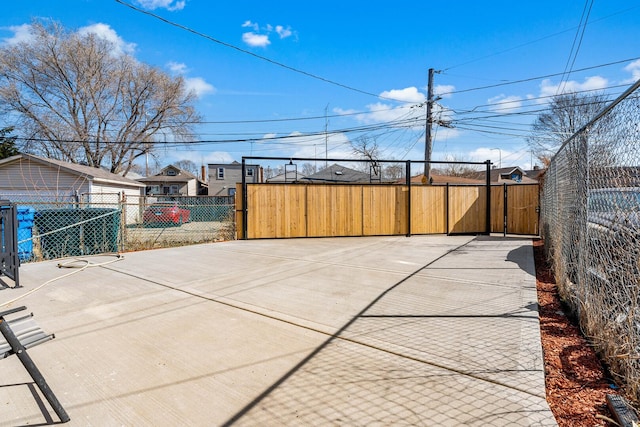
<point>534,78</point>
<point>255,55</point>
<point>403,123</point>
<point>537,40</point>
<point>575,46</point>
<point>538,98</point>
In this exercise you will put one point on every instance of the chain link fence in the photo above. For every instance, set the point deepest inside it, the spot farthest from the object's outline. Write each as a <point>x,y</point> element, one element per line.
<point>591,227</point>
<point>52,226</point>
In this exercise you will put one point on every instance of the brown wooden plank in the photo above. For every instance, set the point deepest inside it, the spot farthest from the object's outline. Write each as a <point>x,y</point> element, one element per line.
<point>522,206</point>
<point>428,209</point>
<point>467,209</point>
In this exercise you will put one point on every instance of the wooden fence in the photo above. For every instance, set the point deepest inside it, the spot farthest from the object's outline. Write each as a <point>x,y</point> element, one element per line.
<point>320,210</point>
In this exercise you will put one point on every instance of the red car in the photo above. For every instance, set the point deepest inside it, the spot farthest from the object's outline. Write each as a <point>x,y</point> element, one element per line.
<point>163,214</point>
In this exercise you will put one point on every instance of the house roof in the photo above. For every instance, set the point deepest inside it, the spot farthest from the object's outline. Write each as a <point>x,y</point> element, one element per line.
<point>338,173</point>
<point>535,173</point>
<point>286,177</point>
<point>181,176</point>
<point>444,179</point>
<point>497,173</point>
<point>98,175</point>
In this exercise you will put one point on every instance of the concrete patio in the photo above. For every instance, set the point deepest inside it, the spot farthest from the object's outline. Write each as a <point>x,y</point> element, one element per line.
<point>426,330</point>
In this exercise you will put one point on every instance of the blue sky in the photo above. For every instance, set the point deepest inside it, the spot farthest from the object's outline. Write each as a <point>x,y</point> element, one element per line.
<point>268,70</point>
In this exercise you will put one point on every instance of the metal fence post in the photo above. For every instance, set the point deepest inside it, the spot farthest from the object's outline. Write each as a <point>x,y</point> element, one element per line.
<point>488,207</point>
<point>408,176</point>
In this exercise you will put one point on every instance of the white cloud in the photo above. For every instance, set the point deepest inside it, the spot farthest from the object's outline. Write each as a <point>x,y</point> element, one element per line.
<point>170,5</point>
<point>380,112</point>
<point>504,104</point>
<point>106,32</point>
<point>249,24</point>
<point>256,40</point>
<point>21,33</point>
<point>634,69</point>
<point>196,84</point>
<point>177,67</point>
<point>199,86</point>
<point>283,32</point>
<point>409,94</point>
<point>311,146</point>
<point>260,37</point>
<point>481,154</point>
<point>212,157</point>
<point>547,88</point>
<point>443,91</point>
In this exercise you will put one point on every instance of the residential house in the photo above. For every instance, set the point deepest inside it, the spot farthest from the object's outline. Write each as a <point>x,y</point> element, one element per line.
<point>223,177</point>
<point>339,174</point>
<point>172,180</point>
<point>509,175</point>
<point>437,179</point>
<point>536,173</point>
<point>27,178</point>
<point>291,176</point>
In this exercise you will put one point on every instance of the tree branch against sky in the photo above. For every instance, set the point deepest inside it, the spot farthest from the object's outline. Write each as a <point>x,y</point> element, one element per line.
<point>76,97</point>
<point>566,114</point>
<point>274,78</point>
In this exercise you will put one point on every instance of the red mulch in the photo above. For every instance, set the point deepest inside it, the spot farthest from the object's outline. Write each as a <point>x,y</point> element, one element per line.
<point>576,381</point>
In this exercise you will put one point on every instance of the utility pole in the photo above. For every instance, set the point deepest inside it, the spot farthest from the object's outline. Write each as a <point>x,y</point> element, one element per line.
<point>326,137</point>
<point>427,132</point>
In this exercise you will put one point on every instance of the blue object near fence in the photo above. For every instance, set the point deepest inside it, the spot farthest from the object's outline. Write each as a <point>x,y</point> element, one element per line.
<point>26,216</point>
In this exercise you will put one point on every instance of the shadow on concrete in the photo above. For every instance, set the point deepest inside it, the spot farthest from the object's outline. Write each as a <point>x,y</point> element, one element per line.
<point>394,365</point>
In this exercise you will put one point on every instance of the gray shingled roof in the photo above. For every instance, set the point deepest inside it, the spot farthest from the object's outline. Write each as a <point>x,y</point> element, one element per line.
<point>96,174</point>
<point>181,176</point>
<point>337,173</point>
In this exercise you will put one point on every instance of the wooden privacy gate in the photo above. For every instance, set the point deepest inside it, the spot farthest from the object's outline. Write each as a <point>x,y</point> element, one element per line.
<point>333,210</point>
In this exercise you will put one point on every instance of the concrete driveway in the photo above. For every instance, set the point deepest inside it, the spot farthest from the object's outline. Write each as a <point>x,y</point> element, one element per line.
<point>426,330</point>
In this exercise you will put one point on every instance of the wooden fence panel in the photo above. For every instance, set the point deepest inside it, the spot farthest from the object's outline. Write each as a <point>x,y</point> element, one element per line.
<point>299,210</point>
<point>334,210</point>
<point>523,201</point>
<point>276,211</point>
<point>497,209</point>
<point>428,209</point>
<point>467,209</point>
<point>384,210</point>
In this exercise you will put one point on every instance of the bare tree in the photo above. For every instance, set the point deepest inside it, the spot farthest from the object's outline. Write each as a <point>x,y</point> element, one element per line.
<point>456,168</point>
<point>75,98</point>
<point>187,165</point>
<point>308,169</point>
<point>566,114</point>
<point>394,171</point>
<point>367,149</point>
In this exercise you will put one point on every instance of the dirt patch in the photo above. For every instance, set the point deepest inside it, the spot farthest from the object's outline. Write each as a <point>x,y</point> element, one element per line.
<point>576,380</point>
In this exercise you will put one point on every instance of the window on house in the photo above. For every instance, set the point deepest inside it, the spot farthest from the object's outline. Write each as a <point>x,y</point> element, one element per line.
<point>174,189</point>
<point>220,173</point>
<point>250,172</point>
<point>171,172</point>
<point>154,189</point>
